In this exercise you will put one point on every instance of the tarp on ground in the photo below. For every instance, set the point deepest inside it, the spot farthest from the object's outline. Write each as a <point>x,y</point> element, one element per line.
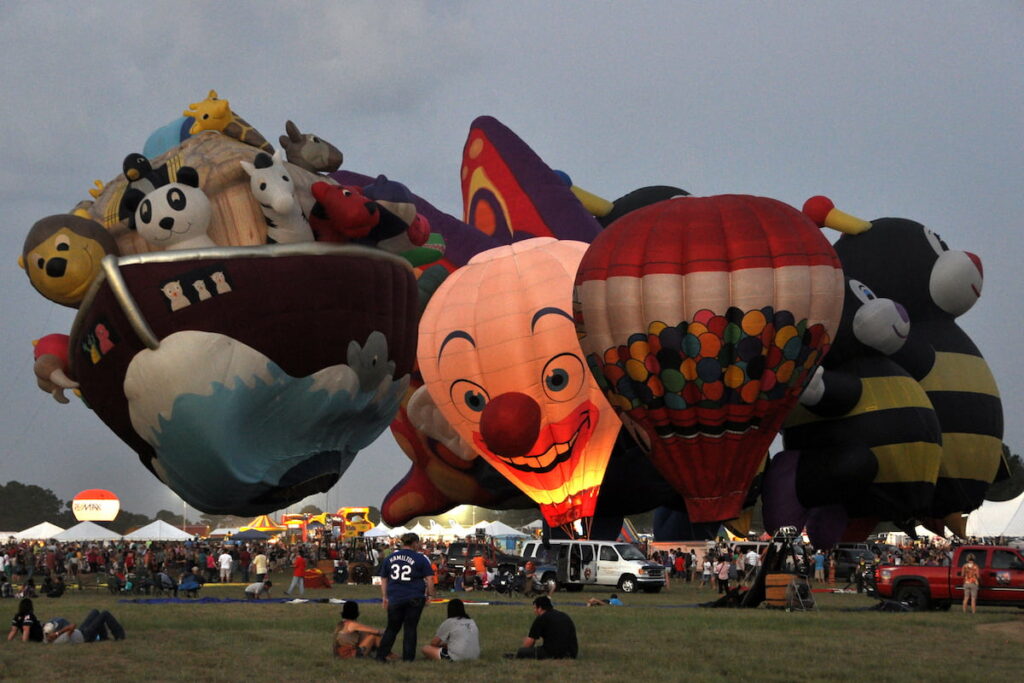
<point>43,531</point>
<point>87,531</point>
<point>158,531</point>
<point>998,519</point>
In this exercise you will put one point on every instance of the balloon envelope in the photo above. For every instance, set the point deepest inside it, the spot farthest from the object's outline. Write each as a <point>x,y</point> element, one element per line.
<point>499,356</point>
<point>95,505</point>
<point>702,319</point>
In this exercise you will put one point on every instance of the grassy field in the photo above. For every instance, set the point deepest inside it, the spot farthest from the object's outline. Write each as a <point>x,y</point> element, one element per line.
<point>653,637</point>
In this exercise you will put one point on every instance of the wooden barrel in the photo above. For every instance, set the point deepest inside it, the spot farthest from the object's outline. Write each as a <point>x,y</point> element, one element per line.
<point>775,589</point>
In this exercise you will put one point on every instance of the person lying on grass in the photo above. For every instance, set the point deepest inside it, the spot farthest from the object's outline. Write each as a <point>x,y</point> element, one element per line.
<point>96,626</point>
<point>613,601</point>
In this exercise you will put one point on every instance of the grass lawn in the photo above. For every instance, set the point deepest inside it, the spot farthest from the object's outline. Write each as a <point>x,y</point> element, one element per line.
<point>652,637</point>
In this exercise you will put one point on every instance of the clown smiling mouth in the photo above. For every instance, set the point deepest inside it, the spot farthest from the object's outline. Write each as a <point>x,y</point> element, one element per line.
<point>545,462</point>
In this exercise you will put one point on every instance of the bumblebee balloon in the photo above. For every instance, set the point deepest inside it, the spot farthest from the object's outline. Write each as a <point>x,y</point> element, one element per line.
<point>906,261</point>
<point>499,356</point>
<point>865,435</point>
<point>702,319</point>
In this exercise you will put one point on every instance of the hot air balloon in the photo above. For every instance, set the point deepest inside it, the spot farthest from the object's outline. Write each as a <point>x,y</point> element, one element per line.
<point>865,440</point>
<point>702,320</point>
<point>906,261</point>
<point>500,360</point>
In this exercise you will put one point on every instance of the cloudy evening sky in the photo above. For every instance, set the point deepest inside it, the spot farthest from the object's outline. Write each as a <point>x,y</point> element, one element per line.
<point>892,109</point>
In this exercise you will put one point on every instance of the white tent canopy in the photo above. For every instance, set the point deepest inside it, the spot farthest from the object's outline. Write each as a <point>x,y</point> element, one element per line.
<point>379,531</point>
<point>456,530</point>
<point>397,531</point>
<point>535,524</point>
<point>42,531</point>
<point>225,531</point>
<point>87,531</point>
<point>998,519</point>
<point>497,528</point>
<point>420,530</point>
<point>158,531</point>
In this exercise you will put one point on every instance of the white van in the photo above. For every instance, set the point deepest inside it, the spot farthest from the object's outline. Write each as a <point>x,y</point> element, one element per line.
<point>575,564</point>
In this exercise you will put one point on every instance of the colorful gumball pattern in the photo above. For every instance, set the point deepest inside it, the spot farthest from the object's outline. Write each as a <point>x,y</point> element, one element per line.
<point>712,362</point>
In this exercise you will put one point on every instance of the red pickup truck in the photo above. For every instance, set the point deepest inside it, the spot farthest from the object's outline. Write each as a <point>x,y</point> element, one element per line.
<point>1001,582</point>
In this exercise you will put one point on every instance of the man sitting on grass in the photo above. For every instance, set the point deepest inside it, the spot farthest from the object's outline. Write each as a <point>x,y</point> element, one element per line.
<point>555,628</point>
<point>254,591</point>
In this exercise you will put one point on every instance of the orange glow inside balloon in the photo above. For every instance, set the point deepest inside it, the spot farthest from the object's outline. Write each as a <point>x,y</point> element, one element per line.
<point>499,355</point>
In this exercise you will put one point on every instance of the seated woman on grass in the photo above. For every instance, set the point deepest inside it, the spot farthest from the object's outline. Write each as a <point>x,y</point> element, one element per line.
<point>457,637</point>
<point>352,639</point>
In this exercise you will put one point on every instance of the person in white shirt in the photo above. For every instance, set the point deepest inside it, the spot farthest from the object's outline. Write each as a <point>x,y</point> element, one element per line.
<point>224,562</point>
<point>752,561</point>
<point>254,591</point>
<point>457,637</point>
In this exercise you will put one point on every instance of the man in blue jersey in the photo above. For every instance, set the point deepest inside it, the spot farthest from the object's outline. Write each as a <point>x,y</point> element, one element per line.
<point>406,583</point>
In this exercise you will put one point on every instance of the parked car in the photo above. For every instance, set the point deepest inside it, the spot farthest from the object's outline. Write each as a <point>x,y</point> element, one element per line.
<point>462,553</point>
<point>848,560</point>
<point>1001,581</point>
<point>575,564</point>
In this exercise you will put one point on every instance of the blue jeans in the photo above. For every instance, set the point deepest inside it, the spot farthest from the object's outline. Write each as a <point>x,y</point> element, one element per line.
<point>404,615</point>
<point>96,625</point>
<point>297,581</point>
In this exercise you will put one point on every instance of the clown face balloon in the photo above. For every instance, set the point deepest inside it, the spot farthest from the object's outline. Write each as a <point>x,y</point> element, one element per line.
<point>499,355</point>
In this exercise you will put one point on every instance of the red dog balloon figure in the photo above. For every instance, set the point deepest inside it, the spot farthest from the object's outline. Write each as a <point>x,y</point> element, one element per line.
<point>702,320</point>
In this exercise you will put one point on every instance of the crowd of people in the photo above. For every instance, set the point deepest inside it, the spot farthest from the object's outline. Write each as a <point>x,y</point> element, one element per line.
<point>721,567</point>
<point>410,573</point>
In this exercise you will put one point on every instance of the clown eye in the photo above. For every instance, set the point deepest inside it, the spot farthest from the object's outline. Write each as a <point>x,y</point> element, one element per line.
<point>469,399</point>
<point>935,242</point>
<point>563,377</point>
<point>176,199</point>
<point>862,291</point>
